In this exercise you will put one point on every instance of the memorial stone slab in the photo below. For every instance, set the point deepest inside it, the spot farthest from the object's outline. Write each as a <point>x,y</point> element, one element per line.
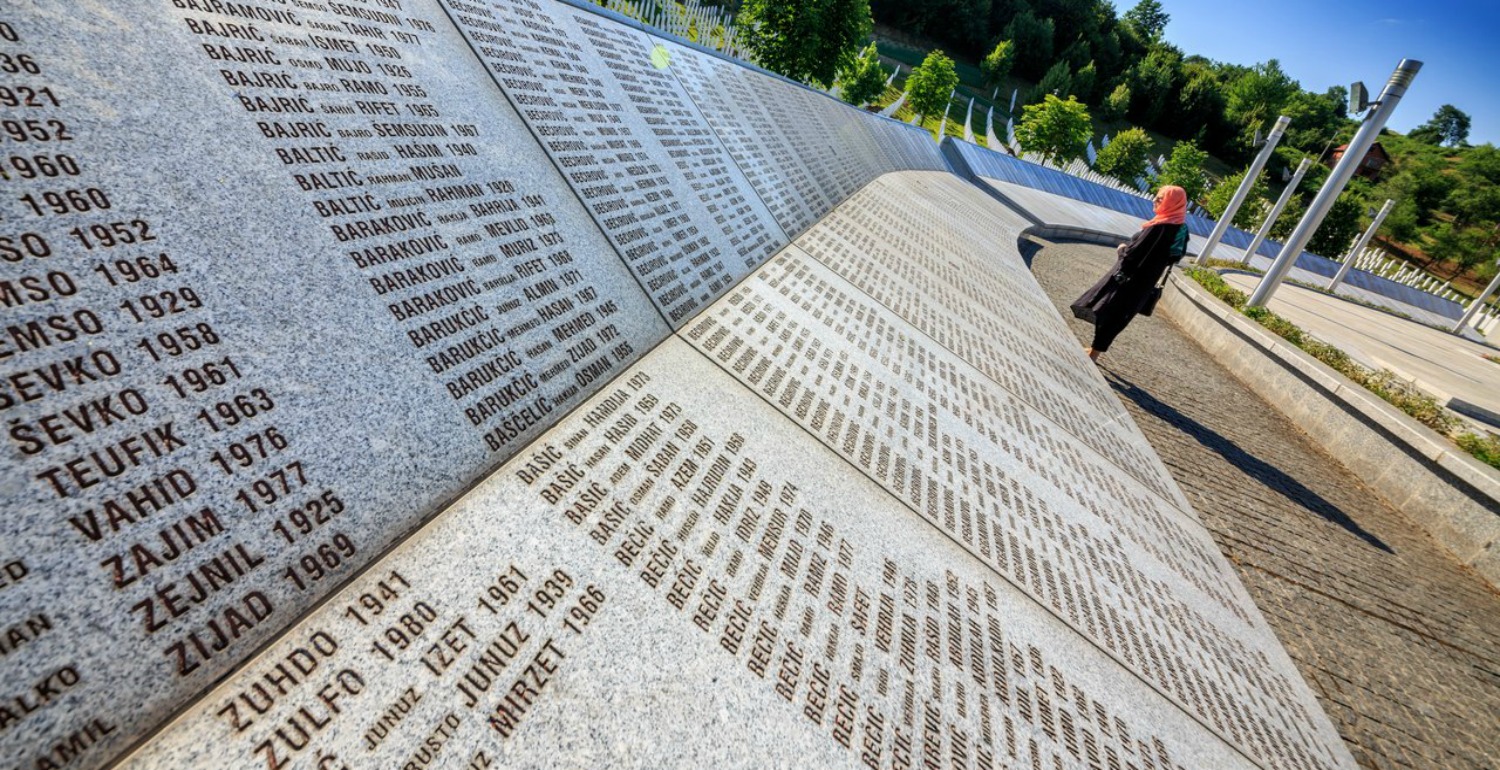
<point>689,600</point>
<point>890,241</point>
<point>284,281</point>
<point>264,343</point>
<point>800,149</point>
<point>582,87</point>
<point>733,101</point>
<point>657,586</point>
<point>1111,553</point>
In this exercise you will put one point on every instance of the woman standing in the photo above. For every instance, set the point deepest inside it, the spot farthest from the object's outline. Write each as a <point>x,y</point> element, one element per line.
<point>1116,299</point>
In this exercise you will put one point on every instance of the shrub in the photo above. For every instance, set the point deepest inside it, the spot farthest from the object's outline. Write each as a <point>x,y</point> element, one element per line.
<point>1335,358</point>
<point>1117,103</point>
<point>1279,326</point>
<point>1404,396</point>
<point>1185,169</point>
<point>1486,449</point>
<point>1126,155</point>
<point>997,64</point>
<point>1214,283</point>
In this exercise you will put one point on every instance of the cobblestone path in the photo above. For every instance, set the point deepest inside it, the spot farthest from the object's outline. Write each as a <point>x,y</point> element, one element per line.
<point>1400,642</point>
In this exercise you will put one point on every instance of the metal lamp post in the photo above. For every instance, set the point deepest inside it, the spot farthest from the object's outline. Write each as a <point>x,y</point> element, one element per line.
<point>1286,197</point>
<point>1251,174</point>
<point>1359,246</point>
<point>1405,72</point>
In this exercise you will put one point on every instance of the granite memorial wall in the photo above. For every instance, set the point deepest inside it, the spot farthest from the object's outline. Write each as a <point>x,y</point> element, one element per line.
<point>799,468</point>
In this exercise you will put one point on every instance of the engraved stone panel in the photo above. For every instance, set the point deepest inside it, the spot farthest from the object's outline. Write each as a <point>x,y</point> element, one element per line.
<point>804,153</point>
<point>920,250</point>
<point>733,100</point>
<point>290,294</point>
<point>677,574</point>
<point>672,593</point>
<point>281,282</point>
<point>1028,490</point>
<point>627,140</point>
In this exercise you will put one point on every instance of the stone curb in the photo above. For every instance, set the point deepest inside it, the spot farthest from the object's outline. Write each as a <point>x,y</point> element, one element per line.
<point>1445,492</point>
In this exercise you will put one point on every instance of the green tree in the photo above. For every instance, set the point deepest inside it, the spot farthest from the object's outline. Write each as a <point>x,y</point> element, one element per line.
<point>1110,54</point>
<point>1126,155</point>
<point>1339,228</point>
<point>1255,98</point>
<point>1002,11</point>
<point>1032,38</point>
<point>1216,201</point>
<point>1117,103</point>
<point>1450,245</point>
<point>846,25</point>
<point>1316,118</point>
<point>864,79</point>
<point>1148,19</point>
<point>1401,223</point>
<point>931,84</point>
<point>1475,199</point>
<point>966,21</point>
<point>1072,21</point>
<point>1057,82</point>
<point>808,41</point>
<point>1477,248</point>
<point>1057,129</point>
<point>1077,54</point>
<point>1153,81</point>
<point>1185,169</point>
<point>1200,108</point>
<point>1449,126</point>
<point>1295,209</point>
<point>1084,80</point>
<point>1422,179</point>
<point>997,63</point>
<point>960,23</point>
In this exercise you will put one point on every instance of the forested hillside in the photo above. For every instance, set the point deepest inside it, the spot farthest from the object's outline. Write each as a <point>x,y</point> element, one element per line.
<point>1119,66</point>
<point>1447,194</point>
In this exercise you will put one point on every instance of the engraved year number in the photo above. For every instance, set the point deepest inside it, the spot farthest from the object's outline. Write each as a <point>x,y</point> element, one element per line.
<point>26,96</point>
<point>36,130</point>
<point>233,411</point>
<point>308,517</point>
<point>133,270</point>
<point>162,304</point>
<point>321,562</point>
<point>375,600</point>
<point>198,379</point>
<point>179,341</point>
<point>504,588</point>
<point>54,202</point>
<point>112,234</point>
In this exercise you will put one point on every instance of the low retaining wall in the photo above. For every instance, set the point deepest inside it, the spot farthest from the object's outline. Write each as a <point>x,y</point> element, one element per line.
<point>1452,496</point>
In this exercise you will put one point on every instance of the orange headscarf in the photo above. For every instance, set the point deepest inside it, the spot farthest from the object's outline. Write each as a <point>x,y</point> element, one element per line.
<point>1171,207</point>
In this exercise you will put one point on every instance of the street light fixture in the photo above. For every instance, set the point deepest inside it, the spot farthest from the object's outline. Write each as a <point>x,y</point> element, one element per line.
<point>1395,88</point>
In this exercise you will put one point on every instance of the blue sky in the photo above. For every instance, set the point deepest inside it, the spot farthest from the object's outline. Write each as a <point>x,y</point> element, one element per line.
<point>1322,43</point>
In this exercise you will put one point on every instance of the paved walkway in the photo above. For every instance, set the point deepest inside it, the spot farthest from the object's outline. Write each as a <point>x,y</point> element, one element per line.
<point>1401,643</point>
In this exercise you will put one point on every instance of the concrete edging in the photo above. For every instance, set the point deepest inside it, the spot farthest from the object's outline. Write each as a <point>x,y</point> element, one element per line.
<point>1450,495</point>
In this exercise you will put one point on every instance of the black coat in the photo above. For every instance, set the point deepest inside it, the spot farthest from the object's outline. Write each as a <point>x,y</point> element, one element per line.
<point>1145,258</point>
